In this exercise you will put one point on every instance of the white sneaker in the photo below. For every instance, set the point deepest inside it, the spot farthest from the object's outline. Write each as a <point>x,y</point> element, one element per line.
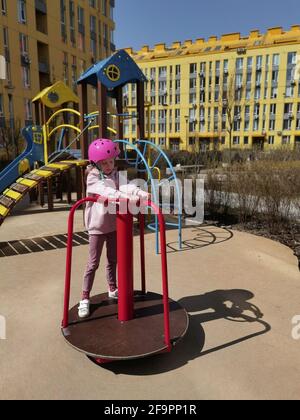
<point>84,309</point>
<point>113,295</point>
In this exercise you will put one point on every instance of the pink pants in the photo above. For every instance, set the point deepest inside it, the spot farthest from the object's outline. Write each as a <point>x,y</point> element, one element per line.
<point>96,243</point>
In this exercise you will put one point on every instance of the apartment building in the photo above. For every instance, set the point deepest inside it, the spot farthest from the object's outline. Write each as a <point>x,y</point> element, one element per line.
<point>45,41</point>
<point>232,90</point>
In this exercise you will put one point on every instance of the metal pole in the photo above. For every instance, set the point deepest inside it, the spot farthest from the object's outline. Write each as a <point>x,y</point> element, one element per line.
<point>125,265</point>
<point>142,250</point>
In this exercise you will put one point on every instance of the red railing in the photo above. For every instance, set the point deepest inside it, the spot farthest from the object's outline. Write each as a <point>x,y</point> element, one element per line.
<point>161,220</point>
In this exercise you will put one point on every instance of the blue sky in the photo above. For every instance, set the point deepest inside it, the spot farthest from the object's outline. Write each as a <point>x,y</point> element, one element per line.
<point>141,22</point>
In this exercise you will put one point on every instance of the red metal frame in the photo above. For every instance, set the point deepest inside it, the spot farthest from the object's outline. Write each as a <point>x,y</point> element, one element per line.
<point>125,228</point>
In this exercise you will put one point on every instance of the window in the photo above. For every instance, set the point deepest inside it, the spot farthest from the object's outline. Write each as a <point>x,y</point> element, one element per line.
<point>226,66</point>
<point>192,141</point>
<point>28,109</point>
<point>92,3</point>
<point>193,69</point>
<point>3,7</point>
<point>81,29</point>
<point>162,72</point>
<point>111,15</point>
<point>74,72</point>
<point>23,43</point>
<point>93,35</point>
<point>287,124</point>
<point>72,23</point>
<point>104,7</point>
<point>276,60</point>
<point>239,63</point>
<point>22,11</point>
<point>292,58</point>
<point>271,140</point>
<point>65,68</point>
<point>249,62</point>
<point>286,140</point>
<point>274,93</point>
<point>25,77</point>
<point>11,109</point>
<point>236,140</point>
<point>171,120</point>
<point>259,60</point>
<point>162,141</point>
<point>237,118</point>
<point>63,29</point>
<point>193,84</point>
<point>1,105</point>
<point>246,140</point>
<point>177,120</point>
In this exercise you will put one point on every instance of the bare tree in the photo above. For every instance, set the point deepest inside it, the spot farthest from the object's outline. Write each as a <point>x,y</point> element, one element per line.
<point>11,139</point>
<point>16,137</point>
<point>231,99</point>
<point>5,141</point>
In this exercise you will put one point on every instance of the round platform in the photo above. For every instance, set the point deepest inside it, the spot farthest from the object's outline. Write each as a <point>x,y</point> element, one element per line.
<point>102,336</point>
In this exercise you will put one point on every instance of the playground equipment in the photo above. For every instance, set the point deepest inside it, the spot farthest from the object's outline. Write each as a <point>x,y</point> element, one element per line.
<point>142,323</point>
<point>108,77</point>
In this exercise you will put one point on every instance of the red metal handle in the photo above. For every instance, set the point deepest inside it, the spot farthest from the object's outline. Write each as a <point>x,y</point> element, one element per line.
<point>157,210</point>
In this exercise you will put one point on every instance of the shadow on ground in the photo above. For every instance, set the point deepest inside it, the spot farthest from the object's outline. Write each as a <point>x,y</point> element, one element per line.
<point>203,238</point>
<point>232,305</point>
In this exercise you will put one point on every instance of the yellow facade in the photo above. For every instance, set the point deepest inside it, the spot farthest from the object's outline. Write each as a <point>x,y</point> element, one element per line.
<point>188,83</point>
<point>46,41</point>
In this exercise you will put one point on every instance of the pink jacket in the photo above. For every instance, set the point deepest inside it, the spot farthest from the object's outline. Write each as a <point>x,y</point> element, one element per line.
<point>99,221</point>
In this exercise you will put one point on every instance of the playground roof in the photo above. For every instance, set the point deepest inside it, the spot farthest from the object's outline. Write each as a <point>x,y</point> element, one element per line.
<point>56,95</point>
<point>117,70</point>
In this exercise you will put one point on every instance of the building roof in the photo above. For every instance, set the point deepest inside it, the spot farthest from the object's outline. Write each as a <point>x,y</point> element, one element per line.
<point>56,95</point>
<point>117,70</point>
<point>214,45</point>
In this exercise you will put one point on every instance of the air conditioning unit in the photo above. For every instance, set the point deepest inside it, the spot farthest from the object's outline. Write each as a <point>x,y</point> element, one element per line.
<point>202,74</point>
<point>258,84</point>
<point>226,71</point>
<point>26,59</point>
<point>293,82</point>
<point>9,86</point>
<point>291,116</point>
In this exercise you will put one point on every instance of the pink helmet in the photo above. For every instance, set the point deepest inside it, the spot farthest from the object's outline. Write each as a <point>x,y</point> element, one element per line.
<point>102,149</point>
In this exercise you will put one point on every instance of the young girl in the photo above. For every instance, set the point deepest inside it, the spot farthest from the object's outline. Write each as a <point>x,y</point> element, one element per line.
<point>103,180</point>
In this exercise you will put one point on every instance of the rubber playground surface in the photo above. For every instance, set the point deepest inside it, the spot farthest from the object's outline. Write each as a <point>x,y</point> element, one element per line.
<point>241,292</point>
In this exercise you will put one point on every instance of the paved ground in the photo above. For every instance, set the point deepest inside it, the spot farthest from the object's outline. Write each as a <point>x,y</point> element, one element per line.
<point>241,292</point>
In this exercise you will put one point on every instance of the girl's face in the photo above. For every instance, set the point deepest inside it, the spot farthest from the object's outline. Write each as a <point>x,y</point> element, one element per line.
<point>107,166</point>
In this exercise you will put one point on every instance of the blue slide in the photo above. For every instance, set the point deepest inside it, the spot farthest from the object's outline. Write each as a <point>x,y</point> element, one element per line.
<point>34,152</point>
